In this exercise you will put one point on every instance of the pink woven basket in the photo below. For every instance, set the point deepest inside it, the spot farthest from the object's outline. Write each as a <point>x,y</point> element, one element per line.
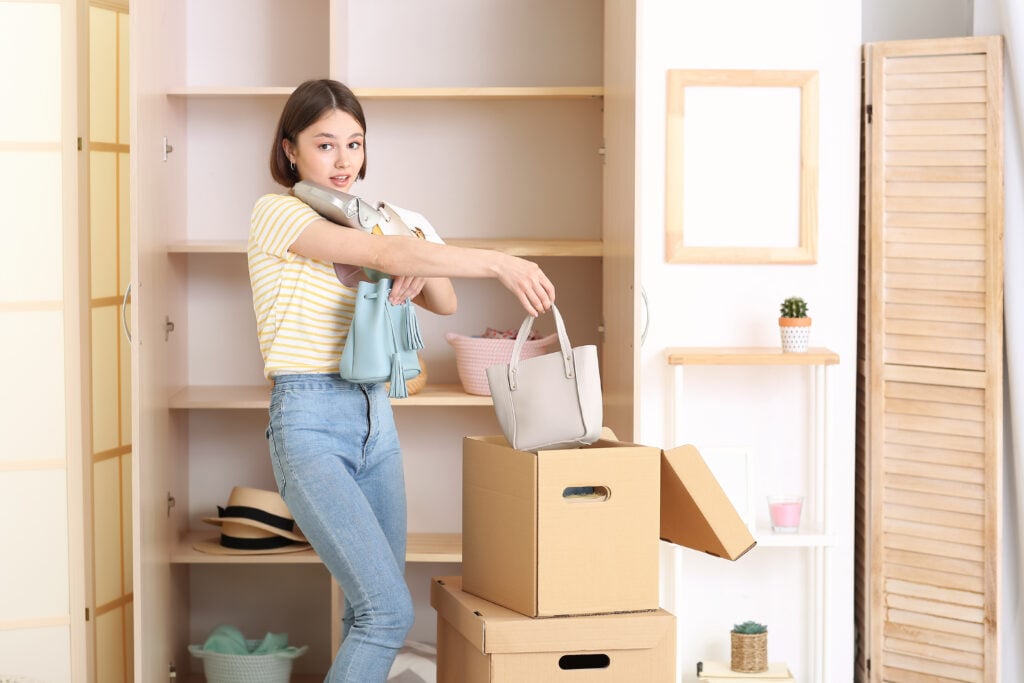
<point>473,355</point>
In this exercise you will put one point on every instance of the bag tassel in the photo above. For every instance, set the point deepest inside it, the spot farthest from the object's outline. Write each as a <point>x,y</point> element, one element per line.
<point>398,389</point>
<point>412,328</point>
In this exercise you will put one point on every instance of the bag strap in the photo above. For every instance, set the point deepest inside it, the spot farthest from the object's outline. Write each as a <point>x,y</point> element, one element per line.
<point>524,333</point>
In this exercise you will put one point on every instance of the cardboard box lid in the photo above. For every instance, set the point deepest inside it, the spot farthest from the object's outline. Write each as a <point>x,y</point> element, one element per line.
<point>695,512</point>
<point>496,630</point>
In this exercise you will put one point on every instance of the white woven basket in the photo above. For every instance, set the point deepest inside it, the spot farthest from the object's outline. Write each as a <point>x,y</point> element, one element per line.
<point>473,355</point>
<point>275,667</point>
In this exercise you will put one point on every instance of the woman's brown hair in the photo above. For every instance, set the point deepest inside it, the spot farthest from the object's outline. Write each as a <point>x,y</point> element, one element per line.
<point>307,104</point>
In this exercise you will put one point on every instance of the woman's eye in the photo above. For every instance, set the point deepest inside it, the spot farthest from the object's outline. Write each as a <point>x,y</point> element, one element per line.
<point>355,145</point>
<point>325,146</point>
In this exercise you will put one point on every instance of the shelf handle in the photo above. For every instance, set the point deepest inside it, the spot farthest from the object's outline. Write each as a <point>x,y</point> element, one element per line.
<point>646,315</point>
<point>124,317</point>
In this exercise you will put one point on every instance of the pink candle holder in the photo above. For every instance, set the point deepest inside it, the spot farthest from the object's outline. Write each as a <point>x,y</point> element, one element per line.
<point>785,513</point>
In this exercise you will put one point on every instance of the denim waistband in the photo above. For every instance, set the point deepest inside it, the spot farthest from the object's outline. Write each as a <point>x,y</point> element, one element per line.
<point>316,380</point>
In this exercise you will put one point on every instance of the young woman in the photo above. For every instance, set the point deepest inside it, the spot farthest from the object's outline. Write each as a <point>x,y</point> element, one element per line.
<point>333,444</point>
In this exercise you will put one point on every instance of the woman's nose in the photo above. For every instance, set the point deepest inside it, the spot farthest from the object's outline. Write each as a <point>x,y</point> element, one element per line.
<point>343,159</point>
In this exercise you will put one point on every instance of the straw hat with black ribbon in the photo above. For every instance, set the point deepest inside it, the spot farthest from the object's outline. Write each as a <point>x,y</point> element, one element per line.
<point>254,522</point>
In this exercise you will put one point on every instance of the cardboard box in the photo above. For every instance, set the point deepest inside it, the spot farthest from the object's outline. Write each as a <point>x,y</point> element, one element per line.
<point>695,512</point>
<point>480,642</point>
<point>529,547</point>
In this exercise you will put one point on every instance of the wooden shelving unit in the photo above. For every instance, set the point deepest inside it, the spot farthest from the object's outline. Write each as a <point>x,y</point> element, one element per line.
<point>202,404</point>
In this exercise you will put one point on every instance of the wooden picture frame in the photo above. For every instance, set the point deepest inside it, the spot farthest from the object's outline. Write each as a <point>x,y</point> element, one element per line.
<point>741,167</point>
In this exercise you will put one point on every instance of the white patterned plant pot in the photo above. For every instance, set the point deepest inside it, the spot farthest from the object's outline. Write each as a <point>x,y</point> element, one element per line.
<point>795,337</point>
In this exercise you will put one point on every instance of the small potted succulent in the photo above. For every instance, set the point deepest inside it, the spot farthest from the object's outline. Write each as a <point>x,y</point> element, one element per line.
<point>794,325</point>
<point>749,647</point>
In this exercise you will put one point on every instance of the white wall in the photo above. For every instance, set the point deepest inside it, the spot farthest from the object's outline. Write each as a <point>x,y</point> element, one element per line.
<point>1006,18</point>
<point>909,19</point>
<point>759,409</point>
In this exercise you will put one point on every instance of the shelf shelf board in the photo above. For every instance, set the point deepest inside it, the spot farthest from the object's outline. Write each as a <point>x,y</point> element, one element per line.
<point>569,92</point>
<point>420,547</point>
<point>294,678</point>
<point>766,538</point>
<point>483,93</point>
<point>216,397</point>
<point>209,397</point>
<point>534,247</point>
<point>207,247</point>
<point>516,247</point>
<point>748,355</point>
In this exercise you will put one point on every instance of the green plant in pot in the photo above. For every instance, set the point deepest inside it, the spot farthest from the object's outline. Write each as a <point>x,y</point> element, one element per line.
<point>749,647</point>
<point>794,325</point>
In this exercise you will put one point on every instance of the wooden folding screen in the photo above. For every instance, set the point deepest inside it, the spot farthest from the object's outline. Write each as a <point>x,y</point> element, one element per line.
<point>930,371</point>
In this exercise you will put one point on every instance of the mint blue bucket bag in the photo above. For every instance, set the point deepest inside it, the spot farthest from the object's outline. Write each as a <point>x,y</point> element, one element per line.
<point>382,340</point>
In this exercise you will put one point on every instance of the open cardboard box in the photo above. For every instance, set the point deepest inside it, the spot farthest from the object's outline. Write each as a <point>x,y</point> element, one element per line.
<point>478,641</point>
<point>533,547</point>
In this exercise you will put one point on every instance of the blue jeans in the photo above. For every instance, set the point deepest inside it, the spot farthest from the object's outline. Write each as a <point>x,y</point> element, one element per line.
<point>338,465</point>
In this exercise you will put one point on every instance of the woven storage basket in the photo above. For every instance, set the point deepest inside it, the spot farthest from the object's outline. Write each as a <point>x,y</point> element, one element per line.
<point>749,652</point>
<point>473,355</point>
<point>275,667</point>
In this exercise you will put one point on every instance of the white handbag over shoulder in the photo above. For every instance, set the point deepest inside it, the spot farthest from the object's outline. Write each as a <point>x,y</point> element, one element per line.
<point>549,401</point>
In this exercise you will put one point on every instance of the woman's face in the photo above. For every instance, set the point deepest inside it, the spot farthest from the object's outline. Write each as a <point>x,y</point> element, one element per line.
<point>330,151</point>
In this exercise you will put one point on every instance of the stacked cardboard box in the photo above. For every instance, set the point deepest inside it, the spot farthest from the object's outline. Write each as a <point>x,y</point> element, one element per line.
<point>573,534</point>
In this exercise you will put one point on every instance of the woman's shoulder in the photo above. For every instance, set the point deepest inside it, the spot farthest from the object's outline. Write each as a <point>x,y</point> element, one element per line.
<point>275,208</point>
<point>276,199</point>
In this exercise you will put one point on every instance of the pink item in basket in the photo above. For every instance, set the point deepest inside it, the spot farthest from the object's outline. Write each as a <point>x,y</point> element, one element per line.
<point>473,355</point>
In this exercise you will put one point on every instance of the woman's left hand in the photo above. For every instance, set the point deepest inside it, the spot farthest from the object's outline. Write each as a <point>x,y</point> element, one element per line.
<point>405,287</point>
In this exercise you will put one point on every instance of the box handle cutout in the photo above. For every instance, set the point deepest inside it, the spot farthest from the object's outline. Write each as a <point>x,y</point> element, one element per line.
<point>586,494</point>
<point>597,661</point>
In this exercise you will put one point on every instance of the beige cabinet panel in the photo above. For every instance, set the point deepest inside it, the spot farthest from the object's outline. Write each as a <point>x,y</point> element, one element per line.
<point>105,409</point>
<point>124,227</point>
<point>110,650</point>
<point>106,517</point>
<point>103,215</point>
<point>123,92</point>
<point>103,104</point>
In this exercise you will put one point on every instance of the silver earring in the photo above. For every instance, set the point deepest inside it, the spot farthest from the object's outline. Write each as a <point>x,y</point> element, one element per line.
<point>293,167</point>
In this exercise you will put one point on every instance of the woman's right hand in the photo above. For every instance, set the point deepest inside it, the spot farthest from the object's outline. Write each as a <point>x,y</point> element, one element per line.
<point>528,283</point>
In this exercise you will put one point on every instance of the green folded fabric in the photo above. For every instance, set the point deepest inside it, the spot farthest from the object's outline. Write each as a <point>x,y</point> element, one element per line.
<point>272,642</point>
<point>227,640</point>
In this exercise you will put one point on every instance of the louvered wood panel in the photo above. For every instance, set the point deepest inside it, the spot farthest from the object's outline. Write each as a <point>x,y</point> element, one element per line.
<point>931,372</point>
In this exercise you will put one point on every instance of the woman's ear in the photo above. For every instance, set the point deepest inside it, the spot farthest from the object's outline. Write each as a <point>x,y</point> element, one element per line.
<point>289,149</point>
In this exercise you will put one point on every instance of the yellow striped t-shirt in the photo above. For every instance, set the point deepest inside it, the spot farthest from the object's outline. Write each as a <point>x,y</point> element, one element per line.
<point>303,311</point>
